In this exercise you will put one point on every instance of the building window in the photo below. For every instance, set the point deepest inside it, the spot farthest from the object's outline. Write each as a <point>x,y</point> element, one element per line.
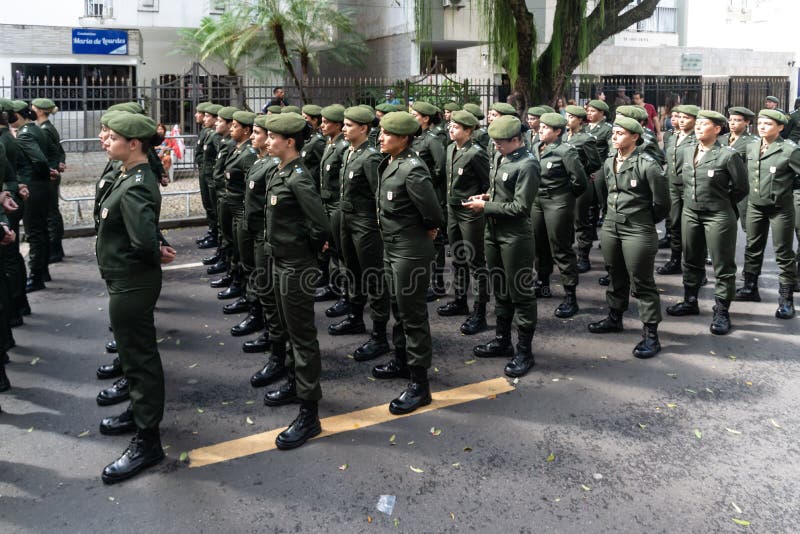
<point>217,7</point>
<point>100,9</point>
<point>663,20</point>
<point>148,5</point>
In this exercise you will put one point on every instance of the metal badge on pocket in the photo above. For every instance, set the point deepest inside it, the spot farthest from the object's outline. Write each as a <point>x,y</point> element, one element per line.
<point>252,184</point>
<point>273,200</point>
<point>327,167</point>
<point>102,183</point>
<point>773,170</point>
<point>505,176</point>
<point>461,171</point>
<point>388,195</point>
<point>350,175</point>
<point>104,213</point>
<point>634,182</point>
<point>549,164</point>
<point>711,173</point>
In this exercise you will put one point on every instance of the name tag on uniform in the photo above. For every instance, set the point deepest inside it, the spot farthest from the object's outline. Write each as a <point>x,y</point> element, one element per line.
<point>549,164</point>
<point>273,200</point>
<point>505,176</point>
<point>461,171</point>
<point>328,167</point>
<point>773,170</point>
<point>303,154</point>
<point>388,195</point>
<point>104,213</point>
<point>252,184</point>
<point>711,173</point>
<point>634,182</point>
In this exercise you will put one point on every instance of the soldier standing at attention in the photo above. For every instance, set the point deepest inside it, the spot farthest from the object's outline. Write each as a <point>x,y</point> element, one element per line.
<point>211,146</point>
<point>296,230</point>
<point>226,145</point>
<point>532,135</point>
<point>714,179</point>
<point>738,138</point>
<point>480,135</point>
<point>637,199</point>
<point>508,238</point>
<point>773,166</point>
<point>209,240</point>
<point>447,115</point>
<point>600,128</point>
<point>467,173</point>
<point>586,144</point>
<point>562,180</point>
<point>129,256</point>
<point>35,172</point>
<point>44,107</point>
<point>409,216</point>
<point>315,144</point>
<point>360,238</point>
<point>687,115</point>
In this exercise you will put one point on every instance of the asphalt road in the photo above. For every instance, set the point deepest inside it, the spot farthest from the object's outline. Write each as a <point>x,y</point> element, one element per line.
<point>592,440</point>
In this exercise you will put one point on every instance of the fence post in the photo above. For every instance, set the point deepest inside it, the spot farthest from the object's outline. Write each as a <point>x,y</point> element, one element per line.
<point>152,95</point>
<point>713,96</point>
<point>85,103</point>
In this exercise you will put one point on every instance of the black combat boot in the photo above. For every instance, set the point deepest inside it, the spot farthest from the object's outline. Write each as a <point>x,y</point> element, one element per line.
<point>274,369</point>
<point>239,305</point>
<point>5,384</point>
<point>211,260</point>
<point>218,268</point>
<point>416,395</point>
<point>455,307</point>
<point>376,345</point>
<point>665,242</point>
<point>542,288</point>
<point>327,292</point>
<point>569,306</point>
<point>35,282</point>
<point>118,424</point>
<point>225,281</point>
<point>785,302</point>
<point>339,308</point>
<point>111,346</point>
<point>209,242</point>
<point>673,266</point>
<point>397,367</point>
<point>118,392</point>
<point>522,361</point>
<point>285,394</point>
<point>476,322</point>
<point>144,451</point>
<point>649,345</point>
<point>305,426</point>
<point>604,280</point>
<point>721,322</point>
<point>500,346</point>
<point>252,323</point>
<point>688,306</point>
<point>749,291</point>
<point>203,237</point>
<point>234,290</point>
<point>611,323</point>
<point>260,344</point>
<point>110,370</point>
<point>584,264</point>
<point>352,324</point>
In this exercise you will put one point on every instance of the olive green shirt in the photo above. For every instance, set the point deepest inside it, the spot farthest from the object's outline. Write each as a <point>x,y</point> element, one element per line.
<point>330,167</point>
<point>674,155</point>
<point>602,133</point>
<point>103,186</point>
<point>225,146</point>
<point>312,152</point>
<point>359,180</point>
<point>211,145</point>
<point>255,198</point>
<point>430,149</point>
<point>467,171</point>
<point>586,144</point>
<point>32,163</point>
<point>718,180</point>
<point>12,155</point>
<point>239,161</point>
<point>198,149</point>
<point>513,185</point>
<point>740,143</point>
<point>773,175</point>
<point>637,190</point>
<point>560,168</point>
<point>481,136</point>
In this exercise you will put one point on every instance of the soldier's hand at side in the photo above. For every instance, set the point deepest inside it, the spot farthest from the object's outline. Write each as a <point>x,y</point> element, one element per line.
<point>432,233</point>
<point>325,246</point>
<point>9,205</point>
<point>23,191</point>
<point>61,167</point>
<point>164,181</point>
<point>167,254</point>
<point>8,237</point>
<point>53,174</point>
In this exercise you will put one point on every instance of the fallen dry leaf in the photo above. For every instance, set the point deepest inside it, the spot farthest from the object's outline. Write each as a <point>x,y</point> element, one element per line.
<point>342,467</point>
<point>416,469</point>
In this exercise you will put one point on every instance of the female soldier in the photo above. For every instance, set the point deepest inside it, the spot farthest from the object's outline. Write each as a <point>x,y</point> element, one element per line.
<point>714,180</point>
<point>296,230</point>
<point>409,217</point>
<point>44,107</point>
<point>129,255</point>
<point>637,199</point>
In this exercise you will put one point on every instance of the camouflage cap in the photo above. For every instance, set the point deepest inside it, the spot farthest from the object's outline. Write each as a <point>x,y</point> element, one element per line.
<point>290,109</point>
<point>630,124</point>
<point>464,118</point>
<point>400,123</point>
<point>504,109</point>
<point>132,125</point>
<point>553,120</point>
<point>312,110</point>
<point>44,104</point>
<point>286,123</point>
<point>244,118</point>
<point>227,112</point>
<point>426,108</point>
<point>505,127</point>
<point>359,114</point>
<point>740,110</point>
<point>716,117</point>
<point>475,109</point>
<point>576,111</point>
<point>599,105</point>
<point>773,114</point>
<point>334,113</point>
<point>452,106</point>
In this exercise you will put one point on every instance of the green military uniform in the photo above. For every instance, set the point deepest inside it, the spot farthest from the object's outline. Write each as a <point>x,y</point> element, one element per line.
<point>55,222</point>
<point>34,171</point>
<point>313,148</point>
<point>329,190</point>
<point>739,144</point>
<point>13,262</point>
<point>480,135</point>
<point>204,178</point>
<point>225,145</point>
<point>7,307</point>
<point>562,180</point>
<point>296,229</point>
<point>212,143</point>
<point>602,133</point>
<point>239,161</point>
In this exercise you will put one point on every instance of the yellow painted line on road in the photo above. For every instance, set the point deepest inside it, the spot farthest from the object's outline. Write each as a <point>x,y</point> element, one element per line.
<point>182,266</point>
<point>265,441</point>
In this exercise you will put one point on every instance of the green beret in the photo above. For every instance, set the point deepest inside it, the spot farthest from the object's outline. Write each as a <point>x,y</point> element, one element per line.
<point>773,99</point>
<point>717,118</point>
<point>312,110</point>
<point>634,112</point>
<point>553,120</point>
<point>130,107</point>
<point>743,111</point>
<point>773,114</point>
<point>261,121</point>
<point>367,107</point>
<point>426,108</point>
<point>630,124</point>
<point>5,104</point>
<point>286,123</point>
<point>464,118</point>
<point>385,108</point>
<point>576,110</point>
<point>547,108</point>
<point>108,115</point>
<point>475,110</point>
<point>505,127</point>
<point>132,125</point>
<point>18,105</point>
<point>452,106</point>
<point>201,107</point>
<point>213,109</point>
<point>599,105</point>
<point>687,109</point>
<point>245,118</point>
<point>44,103</point>
<point>504,109</point>
<point>400,123</point>
<point>536,111</point>
<point>290,109</point>
<point>334,113</point>
<point>226,112</point>
<point>359,114</point>
<point>274,109</point>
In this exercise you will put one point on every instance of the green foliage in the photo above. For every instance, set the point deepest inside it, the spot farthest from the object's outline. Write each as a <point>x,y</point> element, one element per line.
<point>498,23</point>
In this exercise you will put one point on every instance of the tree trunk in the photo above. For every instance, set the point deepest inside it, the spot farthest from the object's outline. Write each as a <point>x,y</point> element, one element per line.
<point>526,45</point>
<point>280,40</point>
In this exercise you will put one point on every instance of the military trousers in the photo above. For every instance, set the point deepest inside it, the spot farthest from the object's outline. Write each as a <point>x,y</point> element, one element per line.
<point>35,221</point>
<point>629,251</point>
<point>465,231</point>
<point>796,195</point>
<point>261,282</point>
<point>554,232</point>
<point>362,249</point>
<point>230,218</point>
<point>55,222</point>
<point>510,251</point>
<point>332,259</point>
<point>741,207</point>
<point>407,264</point>
<point>131,305</point>
<point>13,262</point>
<point>208,202</point>
<point>585,231</point>
<point>714,231</point>
<point>294,282</point>
<point>674,219</point>
<point>439,246</point>
<point>760,219</point>
<point>245,244</point>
